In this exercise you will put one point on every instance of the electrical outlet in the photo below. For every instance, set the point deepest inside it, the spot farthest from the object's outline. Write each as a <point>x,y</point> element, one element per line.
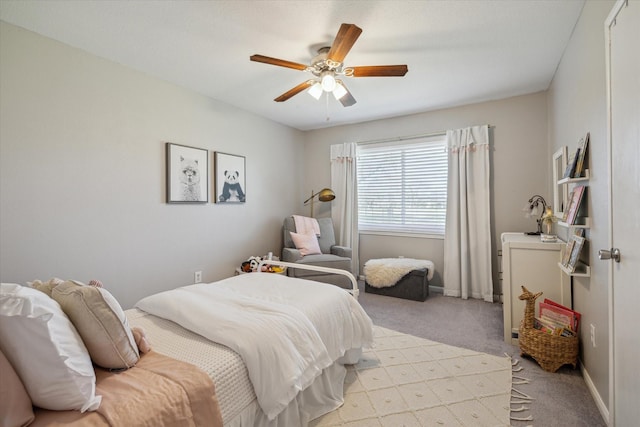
<point>593,335</point>
<point>197,277</point>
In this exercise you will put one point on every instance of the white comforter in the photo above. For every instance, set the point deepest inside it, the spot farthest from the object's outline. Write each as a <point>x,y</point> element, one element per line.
<point>286,330</point>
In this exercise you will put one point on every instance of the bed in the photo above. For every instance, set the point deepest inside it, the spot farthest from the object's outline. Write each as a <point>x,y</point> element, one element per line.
<point>274,346</point>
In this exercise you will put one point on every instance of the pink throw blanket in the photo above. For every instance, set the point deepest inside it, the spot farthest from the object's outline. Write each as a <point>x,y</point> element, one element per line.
<point>306,225</point>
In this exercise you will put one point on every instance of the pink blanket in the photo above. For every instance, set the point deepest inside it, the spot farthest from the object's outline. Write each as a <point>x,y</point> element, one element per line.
<point>306,225</point>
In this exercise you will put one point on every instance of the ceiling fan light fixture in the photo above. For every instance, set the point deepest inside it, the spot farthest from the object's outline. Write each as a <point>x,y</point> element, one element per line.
<point>315,90</point>
<point>328,66</point>
<point>328,81</point>
<point>339,91</point>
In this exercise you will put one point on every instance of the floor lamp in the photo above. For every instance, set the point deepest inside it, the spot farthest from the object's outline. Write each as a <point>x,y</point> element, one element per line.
<point>324,195</point>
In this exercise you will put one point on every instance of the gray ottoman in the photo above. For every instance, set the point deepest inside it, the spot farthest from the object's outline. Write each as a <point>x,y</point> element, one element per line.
<point>413,286</point>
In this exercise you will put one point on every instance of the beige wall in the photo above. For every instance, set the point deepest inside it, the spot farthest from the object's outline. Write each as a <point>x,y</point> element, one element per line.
<point>82,174</point>
<point>577,105</point>
<point>519,160</point>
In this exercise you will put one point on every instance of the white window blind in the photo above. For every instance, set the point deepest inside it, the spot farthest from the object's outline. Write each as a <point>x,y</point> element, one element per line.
<point>402,187</point>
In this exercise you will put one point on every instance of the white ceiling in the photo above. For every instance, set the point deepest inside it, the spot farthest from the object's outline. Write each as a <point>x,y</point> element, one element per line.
<point>458,52</point>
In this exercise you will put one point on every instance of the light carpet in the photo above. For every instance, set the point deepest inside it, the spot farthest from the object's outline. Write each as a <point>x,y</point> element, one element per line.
<point>409,381</point>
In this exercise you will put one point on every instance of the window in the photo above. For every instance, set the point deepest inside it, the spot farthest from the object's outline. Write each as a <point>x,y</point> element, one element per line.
<point>402,187</point>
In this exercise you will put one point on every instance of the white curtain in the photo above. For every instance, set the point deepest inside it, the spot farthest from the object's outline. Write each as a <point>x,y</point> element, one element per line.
<point>344,209</point>
<point>467,242</point>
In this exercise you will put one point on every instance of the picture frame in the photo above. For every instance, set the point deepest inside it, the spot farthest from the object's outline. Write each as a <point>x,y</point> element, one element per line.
<point>230,178</point>
<point>187,174</point>
<point>559,190</point>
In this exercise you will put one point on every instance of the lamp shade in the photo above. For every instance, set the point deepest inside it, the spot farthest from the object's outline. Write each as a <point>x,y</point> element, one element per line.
<point>315,90</point>
<point>326,195</point>
<point>339,91</point>
<point>328,81</point>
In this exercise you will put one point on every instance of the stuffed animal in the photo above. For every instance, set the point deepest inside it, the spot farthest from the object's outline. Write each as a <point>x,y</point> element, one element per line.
<point>254,262</point>
<point>231,190</point>
<point>246,267</point>
<point>141,339</point>
<point>95,283</point>
<point>251,265</point>
<point>45,287</point>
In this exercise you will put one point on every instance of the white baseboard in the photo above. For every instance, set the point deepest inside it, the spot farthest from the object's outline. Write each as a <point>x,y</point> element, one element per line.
<point>604,411</point>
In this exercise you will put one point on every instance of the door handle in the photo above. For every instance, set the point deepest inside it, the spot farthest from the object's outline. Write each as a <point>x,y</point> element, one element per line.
<point>613,253</point>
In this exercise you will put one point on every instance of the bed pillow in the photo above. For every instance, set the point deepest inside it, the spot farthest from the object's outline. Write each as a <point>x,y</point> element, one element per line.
<point>15,404</point>
<point>101,322</point>
<point>45,350</point>
<point>307,244</point>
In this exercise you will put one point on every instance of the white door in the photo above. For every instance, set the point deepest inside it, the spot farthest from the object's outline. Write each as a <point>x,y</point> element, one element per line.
<point>623,66</point>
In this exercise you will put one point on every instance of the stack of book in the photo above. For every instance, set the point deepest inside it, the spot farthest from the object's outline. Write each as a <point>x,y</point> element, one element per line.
<point>556,319</point>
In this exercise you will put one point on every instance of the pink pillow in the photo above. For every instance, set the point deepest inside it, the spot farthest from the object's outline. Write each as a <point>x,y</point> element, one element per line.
<point>307,244</point>
<point>15,403</point>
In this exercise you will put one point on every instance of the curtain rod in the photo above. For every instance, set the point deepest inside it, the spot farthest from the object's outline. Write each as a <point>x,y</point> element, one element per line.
<point>405,138</point>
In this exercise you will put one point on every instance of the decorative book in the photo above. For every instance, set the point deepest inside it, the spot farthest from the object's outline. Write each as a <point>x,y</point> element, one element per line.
<point>567,252</point>
<point>581,163</point>
<point>575,252</point>
<point>571,166</point>
<point>561,311</point>
<point>574,204</point>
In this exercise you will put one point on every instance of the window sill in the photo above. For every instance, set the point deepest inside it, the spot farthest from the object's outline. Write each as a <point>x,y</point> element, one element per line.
<point>401,234</point>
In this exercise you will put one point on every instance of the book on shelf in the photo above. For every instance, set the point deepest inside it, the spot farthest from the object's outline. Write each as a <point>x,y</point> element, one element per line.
<point>567,252</point>
<point>575,252</point>
<point>575,315</point>
<point>565,212</point>
<point>571,165</point>
<point>581,163</point>
<point>574,205</point>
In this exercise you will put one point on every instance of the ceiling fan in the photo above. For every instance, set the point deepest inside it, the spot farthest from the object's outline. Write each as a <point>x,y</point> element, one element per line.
<point>328,64</point>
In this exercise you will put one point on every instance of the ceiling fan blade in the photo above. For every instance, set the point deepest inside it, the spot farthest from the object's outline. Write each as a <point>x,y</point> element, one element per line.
<point>296,90</point>
<point>278,62</point>
<point>379,71</point>
<point>346,37</point>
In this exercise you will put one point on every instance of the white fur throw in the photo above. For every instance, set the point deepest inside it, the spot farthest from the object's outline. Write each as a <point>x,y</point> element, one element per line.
<point>386,272</point>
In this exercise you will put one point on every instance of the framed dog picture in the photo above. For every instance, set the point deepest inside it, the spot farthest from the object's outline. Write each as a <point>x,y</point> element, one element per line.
<point>230,178</point>
<point>187,174</point>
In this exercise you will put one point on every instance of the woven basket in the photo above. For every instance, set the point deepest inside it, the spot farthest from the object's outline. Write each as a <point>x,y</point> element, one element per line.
<point>550,351</point>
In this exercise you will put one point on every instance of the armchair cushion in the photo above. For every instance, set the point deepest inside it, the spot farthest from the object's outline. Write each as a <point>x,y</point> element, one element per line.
<point>322,260</point>
<point>307,244</point>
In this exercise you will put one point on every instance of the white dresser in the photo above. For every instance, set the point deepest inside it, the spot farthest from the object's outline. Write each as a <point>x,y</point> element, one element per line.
<point>526,261</point>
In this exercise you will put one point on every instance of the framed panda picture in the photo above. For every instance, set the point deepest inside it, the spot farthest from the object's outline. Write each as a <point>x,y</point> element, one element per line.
<point>230,178</point>
<point>187,174</point>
